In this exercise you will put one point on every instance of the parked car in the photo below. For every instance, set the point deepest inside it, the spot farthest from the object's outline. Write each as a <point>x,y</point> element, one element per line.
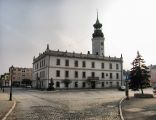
<point>154,90</point>
<point>122,88</point>
<point>28,86</point>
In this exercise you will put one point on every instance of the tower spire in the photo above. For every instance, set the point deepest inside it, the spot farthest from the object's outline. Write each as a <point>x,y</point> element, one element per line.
<point>98,38</point>
<point>97,15</point>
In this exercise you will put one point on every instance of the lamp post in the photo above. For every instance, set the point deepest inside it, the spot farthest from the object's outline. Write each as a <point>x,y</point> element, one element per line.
<point>127,87</point>
<point>11,71</point>
<point>3,85</point>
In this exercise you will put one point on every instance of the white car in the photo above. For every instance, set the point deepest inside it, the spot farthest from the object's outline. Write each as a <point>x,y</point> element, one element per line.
<point>122,88</point>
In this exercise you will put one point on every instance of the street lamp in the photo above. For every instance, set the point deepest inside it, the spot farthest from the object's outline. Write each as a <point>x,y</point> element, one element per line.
<point>127,88</point>
<point>3,84</point>
<point>11,71</point>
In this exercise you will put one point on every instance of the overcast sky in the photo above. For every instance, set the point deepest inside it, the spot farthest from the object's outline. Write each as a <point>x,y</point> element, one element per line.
<point>26,26</point>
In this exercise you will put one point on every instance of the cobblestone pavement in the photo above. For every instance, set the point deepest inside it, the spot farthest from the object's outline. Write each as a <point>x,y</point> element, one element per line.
<point>68,105</point>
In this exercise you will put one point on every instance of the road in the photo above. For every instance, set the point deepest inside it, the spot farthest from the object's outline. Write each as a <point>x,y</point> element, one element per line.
<point>66,105</point>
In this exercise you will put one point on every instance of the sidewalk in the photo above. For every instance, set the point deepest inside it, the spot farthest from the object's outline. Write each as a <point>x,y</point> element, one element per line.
<point>139,109</point>
<point>5,104</point>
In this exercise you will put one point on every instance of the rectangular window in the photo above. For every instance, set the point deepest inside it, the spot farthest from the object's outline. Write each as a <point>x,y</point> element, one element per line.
<point>110,66</point>
<point>103,84</point>
<point>102,75</point>
<point>40,64</point>
<point>76,74</point>
<point>117,75</point>
<point>66,73</point>
<point>83,64</point>
<point>58,62</point>
<point>57,73</point>
<point>117,66</point>
<point>83,84</point>
<point>93,74</point>
<point>44,62</point>
<point>117,84</point>
<point>76,63</point>
<point>57,84</point>
<point>110,75</point>
<point>83,74</point>
<point>102,65</point>
<point>37,65</point>
<point>76,84</point>
<point>66,62</point>
<point>93,65</point>
<point>110,84</point>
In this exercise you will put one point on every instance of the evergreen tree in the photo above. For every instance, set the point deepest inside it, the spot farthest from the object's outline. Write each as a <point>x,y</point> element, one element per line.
<point>139,74</point>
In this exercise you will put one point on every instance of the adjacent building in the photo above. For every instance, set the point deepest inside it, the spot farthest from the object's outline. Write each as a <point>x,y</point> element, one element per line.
<point>20,74</point>
<point>4,79</point>
<point>78,70</point>
<point>153,74</point>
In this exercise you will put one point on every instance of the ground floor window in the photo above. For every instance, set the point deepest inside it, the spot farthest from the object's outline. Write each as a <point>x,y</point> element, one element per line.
<point>103,84</point>
<point>110,84</point>
<point>76,84</point>
<point>57,84</point>
<point>83,84</point>
<point>117,84</point>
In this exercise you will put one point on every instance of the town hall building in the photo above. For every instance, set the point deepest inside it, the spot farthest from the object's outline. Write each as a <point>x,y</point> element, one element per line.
<point>77,70</point>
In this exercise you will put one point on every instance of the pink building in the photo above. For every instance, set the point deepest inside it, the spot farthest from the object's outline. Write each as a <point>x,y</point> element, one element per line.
<point>153,74</point>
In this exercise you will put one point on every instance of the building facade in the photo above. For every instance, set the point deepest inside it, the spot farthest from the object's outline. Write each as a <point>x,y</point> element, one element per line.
<point>153,74</point>
<point>20,74</point>
<point>77,70</point>
<point>4,80</point>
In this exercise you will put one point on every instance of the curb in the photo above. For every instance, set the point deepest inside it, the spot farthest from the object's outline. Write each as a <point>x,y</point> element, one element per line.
<point>120,109</point>
<point>8,113</point>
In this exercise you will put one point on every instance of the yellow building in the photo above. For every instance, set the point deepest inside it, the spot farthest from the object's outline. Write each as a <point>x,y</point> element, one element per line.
<point>20,74</point>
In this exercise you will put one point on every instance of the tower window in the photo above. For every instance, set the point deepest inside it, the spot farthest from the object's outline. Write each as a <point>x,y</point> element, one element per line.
<point>101,43</point>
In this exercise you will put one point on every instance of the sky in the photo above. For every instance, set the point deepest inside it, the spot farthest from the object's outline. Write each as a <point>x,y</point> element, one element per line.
<point>27,26</point>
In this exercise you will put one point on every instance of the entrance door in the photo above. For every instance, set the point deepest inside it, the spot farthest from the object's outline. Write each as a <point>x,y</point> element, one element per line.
<point>93,84</point>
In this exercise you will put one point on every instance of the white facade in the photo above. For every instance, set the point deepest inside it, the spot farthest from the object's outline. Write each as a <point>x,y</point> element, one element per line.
<point>107,71</point>
<point>74,70</point>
